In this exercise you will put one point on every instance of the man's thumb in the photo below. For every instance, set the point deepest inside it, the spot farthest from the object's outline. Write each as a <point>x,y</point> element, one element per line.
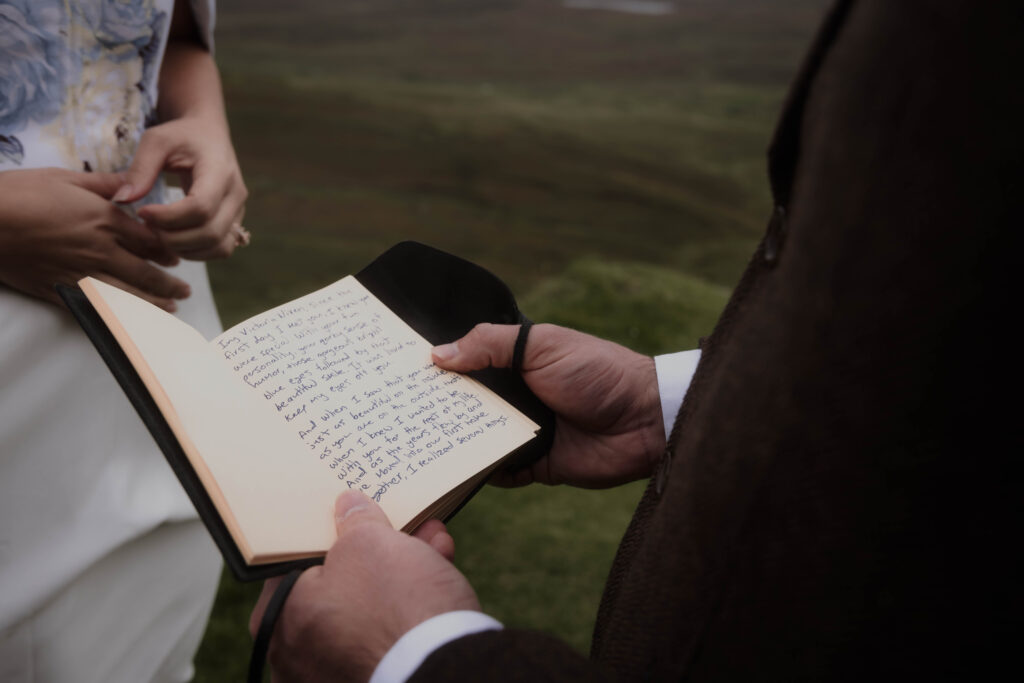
<point>353,508</point>
<point>486,345</point>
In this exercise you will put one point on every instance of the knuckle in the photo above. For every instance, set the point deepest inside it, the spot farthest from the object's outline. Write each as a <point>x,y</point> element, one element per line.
<point>360,534</point>
<point>482,331</point>
<point>208,238</point>
<point>155,137</point>
<point>99,253</point>
<point>493,340</point>
<point>155,282</point>
<point>222,250</point>
<point>204,244</point>
<point>544,331</point>
<point>205,209</point>
<point>147,282</point>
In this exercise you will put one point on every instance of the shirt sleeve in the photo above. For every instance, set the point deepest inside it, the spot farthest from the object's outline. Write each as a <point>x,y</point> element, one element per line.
<point>675,372</point>
<point>406,655</point>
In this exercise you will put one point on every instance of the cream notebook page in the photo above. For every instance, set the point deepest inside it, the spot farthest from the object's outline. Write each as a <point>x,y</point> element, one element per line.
<point>330,391</point>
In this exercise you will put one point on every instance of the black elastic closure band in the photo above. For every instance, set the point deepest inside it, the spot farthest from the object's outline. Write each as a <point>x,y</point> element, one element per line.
<point>520,347</point>
<point>267,623</point>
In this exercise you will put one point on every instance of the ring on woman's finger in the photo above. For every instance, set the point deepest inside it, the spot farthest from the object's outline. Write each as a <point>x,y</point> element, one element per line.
<point>242,236</point>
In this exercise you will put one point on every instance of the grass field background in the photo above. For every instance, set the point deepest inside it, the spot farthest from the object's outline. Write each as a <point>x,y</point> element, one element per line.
<point>608,166</point>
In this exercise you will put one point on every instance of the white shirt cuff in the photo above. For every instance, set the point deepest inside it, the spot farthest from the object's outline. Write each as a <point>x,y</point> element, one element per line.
<point>675,372</point>
<point>406,655</point>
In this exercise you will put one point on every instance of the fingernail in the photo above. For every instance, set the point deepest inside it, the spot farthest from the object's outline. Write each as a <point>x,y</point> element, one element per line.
<point>123,193</point>
<point>446,352</point>
<point>184,292</point>
<point>171,307</point>
<point>348,503</point>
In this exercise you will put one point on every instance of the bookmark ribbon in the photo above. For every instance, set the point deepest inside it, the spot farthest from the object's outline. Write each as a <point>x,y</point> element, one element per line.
<point>267,623</point>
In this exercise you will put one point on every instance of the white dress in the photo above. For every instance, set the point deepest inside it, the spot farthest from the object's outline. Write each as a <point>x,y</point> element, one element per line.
<point>105,572</point>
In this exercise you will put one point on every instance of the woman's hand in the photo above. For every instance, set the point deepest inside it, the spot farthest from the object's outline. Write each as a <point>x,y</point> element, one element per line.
<point>207,223</point>
<point>608,427</point>
<point>58,226</point>
<point>196,144</point>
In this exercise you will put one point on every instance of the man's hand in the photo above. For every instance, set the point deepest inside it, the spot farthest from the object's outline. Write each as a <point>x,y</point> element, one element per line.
<point>57,226</point>
<point>375,585</point>
<point>608,413</point>
<point>206,223</point>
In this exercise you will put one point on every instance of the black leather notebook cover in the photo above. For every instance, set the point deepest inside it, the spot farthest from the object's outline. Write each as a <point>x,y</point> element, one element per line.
<point>439,295</point>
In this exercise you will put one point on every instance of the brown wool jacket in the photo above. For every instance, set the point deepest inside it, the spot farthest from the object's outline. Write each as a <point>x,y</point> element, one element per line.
<point>837,500</point>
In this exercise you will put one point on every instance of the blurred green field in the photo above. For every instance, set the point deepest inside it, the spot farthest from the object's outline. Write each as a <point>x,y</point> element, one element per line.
<point>608,166</point>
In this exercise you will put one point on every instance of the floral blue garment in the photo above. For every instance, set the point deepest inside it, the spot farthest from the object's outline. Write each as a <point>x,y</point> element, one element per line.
<point>106,574</point>
<point>78,80</point>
